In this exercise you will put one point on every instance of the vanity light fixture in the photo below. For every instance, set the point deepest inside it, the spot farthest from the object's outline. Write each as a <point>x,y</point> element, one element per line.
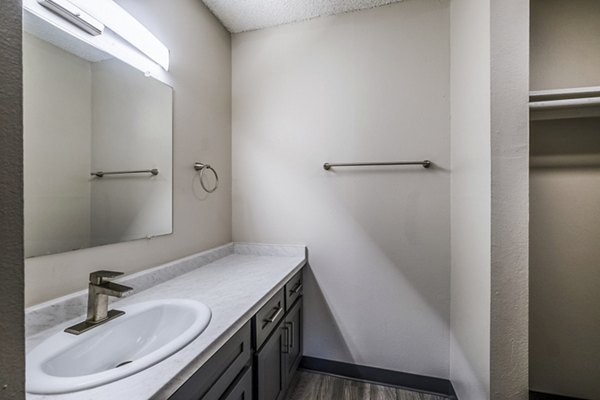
<point>122,36</point>
<point>127,28</point>
<point>75,15</point>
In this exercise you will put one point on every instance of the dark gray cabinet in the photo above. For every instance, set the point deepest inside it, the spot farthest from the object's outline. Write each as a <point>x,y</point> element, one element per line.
<point>278,357</point>
<point>267,318</point>
<point>218,375</point>
<point>293,352</point>
<point>242,388</point>
<point>259,361</point>
<point>293,290</point>
<point>270,371</point>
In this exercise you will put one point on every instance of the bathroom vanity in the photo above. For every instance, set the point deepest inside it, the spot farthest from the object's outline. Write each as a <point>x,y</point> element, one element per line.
<point>250,348</point>
<point>260,360</point>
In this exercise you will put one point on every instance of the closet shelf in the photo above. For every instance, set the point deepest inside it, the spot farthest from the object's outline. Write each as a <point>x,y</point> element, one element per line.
<point>581,102</point>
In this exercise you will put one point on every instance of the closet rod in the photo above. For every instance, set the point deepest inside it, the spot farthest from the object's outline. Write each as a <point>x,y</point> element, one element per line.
<point>563,94</point>
<point>565,103</point>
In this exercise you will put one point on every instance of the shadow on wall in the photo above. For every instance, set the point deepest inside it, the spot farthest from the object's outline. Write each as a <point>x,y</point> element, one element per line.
<point>389,303</point>
<point>567,143</point>
<point>406,218</point>
<point>314,299</point>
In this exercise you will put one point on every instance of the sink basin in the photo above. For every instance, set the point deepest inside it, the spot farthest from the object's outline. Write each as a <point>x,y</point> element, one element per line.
<point>148,333</point>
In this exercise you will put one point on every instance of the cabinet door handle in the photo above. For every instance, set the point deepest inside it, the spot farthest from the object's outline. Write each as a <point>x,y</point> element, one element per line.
<point>286,345</point>
<point>297,288</point>
<point>274,316</point>
<point>291,330</point>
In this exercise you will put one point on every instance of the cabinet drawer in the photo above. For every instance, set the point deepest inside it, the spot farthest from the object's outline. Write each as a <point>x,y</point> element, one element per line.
<point>267,318</point>
<point>220,371</point>
<point>242,389</point>
<point>293,290</point>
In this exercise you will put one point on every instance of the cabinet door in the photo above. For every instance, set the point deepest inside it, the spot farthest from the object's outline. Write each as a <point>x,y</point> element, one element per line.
<point>270,367</point>
<point>217,374</point>
<point>293,322</point>
<point>242,390</point>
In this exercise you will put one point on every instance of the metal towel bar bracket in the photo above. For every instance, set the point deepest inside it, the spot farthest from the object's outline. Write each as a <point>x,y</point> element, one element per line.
<point>424,164</point>
<point>100,174</point>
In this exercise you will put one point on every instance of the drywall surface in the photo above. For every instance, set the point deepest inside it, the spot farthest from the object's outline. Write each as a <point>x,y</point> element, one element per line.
<point>470,198</point>
<point>131,130</point>
<point>489,109</point>
<point>565,38</point>
<point>509,200</point>
<point>57,154</point>
<point>12,335</point>
<point>565,228</point>
<point>200,75</point>
<point>365,86</point>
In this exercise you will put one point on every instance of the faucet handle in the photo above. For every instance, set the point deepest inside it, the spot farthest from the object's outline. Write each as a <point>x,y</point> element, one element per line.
<point>97,277</point>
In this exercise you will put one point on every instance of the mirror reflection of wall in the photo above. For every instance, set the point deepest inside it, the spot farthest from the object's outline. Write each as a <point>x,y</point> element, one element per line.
<point>85,111</point>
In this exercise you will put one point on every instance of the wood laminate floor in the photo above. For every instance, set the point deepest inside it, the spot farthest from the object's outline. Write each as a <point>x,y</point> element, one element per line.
<point>312,386</point>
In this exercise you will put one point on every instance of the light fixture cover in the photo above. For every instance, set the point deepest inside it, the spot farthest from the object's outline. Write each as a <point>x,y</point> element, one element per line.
<point>128,28</point>
<point>124,37</point>
<point>69,11</point>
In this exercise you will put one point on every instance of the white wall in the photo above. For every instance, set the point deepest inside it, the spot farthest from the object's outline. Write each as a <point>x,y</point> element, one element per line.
<point>509,328</point>
<point>131,130</point>
<point>364,86</point>
<point>565,318</point>
<point>57,155</point>
<point>470,198</point>
<point>489,84</point>
<point>200,74</point>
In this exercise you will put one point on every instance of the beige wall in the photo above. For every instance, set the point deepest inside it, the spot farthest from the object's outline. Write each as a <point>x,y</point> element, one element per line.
<point>565,156</point>
<point>470,198</point>
<point>565,230</point>
<point>565,38</point>
<point>364,86</point>
<point>57,88</point>
<point>131,130</point>
<point>200,75</point>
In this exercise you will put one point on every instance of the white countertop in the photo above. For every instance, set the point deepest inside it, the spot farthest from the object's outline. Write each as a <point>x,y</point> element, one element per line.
<point>234,287</point>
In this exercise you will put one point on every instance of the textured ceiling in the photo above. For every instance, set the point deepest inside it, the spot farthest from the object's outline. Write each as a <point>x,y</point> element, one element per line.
<point>246,15</point>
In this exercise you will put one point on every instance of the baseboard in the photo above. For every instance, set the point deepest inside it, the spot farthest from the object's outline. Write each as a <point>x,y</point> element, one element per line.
<point>548,396</point>
<point>387,377</point>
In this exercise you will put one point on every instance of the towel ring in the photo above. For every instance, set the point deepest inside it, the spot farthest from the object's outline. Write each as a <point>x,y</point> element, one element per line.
<point>202,168</point>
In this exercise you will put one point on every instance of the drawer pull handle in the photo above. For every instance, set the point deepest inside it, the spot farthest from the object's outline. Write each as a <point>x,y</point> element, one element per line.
<point>297,288</point>
<point>291,330</point>
<point>286,345</point>
<point>274,316</point>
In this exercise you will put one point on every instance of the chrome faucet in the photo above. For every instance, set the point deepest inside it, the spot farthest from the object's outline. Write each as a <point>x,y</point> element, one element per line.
<point>97,308</point>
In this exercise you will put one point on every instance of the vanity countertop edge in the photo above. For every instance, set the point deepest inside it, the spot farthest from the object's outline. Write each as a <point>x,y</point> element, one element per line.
<point>235,286</point>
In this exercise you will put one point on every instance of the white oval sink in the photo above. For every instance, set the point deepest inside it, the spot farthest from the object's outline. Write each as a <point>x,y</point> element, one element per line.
<point>148,333</point>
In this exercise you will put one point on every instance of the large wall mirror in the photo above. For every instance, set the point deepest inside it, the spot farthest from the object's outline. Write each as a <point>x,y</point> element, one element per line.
<point>88,115</point>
